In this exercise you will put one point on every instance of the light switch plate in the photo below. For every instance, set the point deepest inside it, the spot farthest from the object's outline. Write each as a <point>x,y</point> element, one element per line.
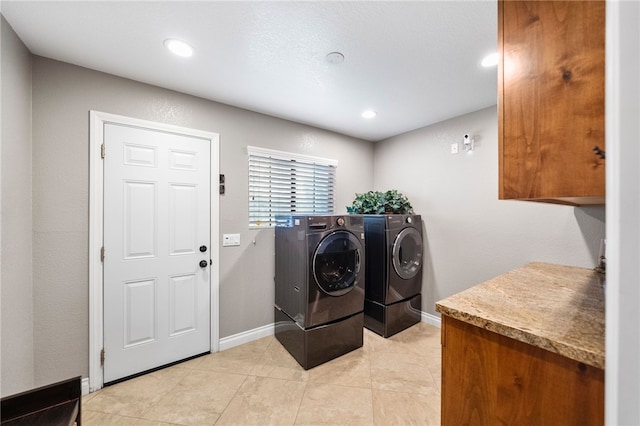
<point>229,240</point>
<point>454,148</point>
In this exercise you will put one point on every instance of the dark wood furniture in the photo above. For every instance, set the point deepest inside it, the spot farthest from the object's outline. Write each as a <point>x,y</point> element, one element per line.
<point>51,405</point>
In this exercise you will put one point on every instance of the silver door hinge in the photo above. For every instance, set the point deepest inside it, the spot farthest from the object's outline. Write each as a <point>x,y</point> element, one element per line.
<point>102,357</point>
<point>102,151</point>
<point>101,254</point>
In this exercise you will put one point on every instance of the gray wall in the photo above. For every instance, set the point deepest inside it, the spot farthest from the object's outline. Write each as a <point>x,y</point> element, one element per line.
<point>16,281</point>
<point>471,236</point>
<point>63,94</point>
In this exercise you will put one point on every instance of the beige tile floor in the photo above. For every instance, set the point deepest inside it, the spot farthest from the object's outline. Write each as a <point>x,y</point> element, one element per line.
<point>394,381</point>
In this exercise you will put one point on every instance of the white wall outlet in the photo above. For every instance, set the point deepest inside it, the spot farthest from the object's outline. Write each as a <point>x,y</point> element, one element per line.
<point>229,240</point>
<point>454,148</point>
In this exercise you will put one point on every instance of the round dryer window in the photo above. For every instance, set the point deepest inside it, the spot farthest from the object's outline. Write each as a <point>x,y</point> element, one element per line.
<point>407,253</point>
<point>336,263</point>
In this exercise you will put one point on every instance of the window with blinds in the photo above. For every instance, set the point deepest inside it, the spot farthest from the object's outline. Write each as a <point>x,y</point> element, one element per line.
<point>282,182</point>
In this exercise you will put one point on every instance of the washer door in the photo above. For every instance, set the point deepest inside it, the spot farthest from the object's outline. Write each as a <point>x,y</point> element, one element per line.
<point>336,263</point>
<point>407,253</point>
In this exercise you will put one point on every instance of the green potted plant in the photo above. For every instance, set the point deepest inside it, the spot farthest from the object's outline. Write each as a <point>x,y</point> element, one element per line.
<point>376,202</point>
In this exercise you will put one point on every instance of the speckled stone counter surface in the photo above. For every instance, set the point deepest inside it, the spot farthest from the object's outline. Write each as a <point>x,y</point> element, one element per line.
<point>554,307</point>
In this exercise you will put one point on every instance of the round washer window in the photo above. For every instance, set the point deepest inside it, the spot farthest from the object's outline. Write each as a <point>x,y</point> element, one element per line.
<point>336,263</point>
<point>407,253</point>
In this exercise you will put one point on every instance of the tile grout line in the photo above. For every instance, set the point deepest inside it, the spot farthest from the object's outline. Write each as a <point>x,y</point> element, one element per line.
<point>144,413</point>
<point>232,398</point>
<point>295,420</point>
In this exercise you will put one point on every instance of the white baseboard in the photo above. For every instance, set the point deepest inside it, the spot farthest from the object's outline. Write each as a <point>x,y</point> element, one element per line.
<point>84,385</point>
<point>431,319</point>
<point>269,329</point>
<point>246,336</point>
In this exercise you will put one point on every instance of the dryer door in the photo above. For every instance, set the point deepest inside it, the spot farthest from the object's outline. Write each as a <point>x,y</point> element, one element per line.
<point>336,263</point>
<point>407,253</point>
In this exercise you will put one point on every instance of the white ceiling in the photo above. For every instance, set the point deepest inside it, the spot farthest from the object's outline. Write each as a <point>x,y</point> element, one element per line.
<point>415,63</point>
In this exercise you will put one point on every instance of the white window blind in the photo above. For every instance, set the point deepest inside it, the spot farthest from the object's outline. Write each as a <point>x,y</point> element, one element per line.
<point>282,182</point>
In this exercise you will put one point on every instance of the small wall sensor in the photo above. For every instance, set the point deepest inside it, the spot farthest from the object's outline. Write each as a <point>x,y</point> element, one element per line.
<point>467,142</point>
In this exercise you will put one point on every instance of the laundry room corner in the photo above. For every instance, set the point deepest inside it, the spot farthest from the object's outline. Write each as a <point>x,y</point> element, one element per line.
<point>469,235</point>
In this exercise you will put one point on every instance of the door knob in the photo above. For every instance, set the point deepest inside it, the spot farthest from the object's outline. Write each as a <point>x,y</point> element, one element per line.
<point>203,263</point>
<point>203,249</point>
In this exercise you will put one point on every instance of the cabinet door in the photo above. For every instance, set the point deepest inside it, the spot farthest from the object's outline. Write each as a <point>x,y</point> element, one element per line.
<point>490,379</point>
<point>551,100</point>
<point>469,369</point>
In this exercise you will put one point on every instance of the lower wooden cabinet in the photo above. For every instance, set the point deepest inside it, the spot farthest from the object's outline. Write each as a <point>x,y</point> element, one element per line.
<point>490,379</point>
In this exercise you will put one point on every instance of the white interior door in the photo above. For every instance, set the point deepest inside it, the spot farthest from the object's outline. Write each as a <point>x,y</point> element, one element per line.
<point>157,249</point>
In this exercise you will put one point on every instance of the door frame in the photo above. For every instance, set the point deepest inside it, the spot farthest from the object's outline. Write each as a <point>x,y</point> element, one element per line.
<point>97,120</point>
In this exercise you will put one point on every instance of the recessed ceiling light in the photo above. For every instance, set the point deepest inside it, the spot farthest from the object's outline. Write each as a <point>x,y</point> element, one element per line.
<point>178,47</point>
<point>490,60</point>
<point>335,58</point>
<point>369,114</point>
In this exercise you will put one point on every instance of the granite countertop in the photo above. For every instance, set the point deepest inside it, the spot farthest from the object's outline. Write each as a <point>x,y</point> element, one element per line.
<point>554,307</point>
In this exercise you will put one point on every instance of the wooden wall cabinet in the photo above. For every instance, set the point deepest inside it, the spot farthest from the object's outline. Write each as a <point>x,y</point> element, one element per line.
<point>490,379</point>
<point>551,101</point>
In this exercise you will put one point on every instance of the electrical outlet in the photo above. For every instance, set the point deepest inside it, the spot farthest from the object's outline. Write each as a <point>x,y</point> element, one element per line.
<point>230,240</point>
<point>454,148</point>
